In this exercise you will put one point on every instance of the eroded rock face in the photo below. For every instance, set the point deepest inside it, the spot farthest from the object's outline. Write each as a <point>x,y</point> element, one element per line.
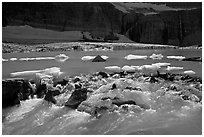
<point>167,27</point>
<point>14,90</point>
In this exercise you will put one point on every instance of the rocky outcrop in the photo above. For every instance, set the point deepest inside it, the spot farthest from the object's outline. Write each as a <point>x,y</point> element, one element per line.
<point>14,90</point>
<point>174,27</point>
<point>78,96</point>
<point>181,28</point>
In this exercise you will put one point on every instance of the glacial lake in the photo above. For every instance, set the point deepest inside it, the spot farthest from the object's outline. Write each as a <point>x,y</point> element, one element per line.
<point>75,66</point>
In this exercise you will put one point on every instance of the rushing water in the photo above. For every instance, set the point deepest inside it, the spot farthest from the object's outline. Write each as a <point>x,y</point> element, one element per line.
<point>168,114</point>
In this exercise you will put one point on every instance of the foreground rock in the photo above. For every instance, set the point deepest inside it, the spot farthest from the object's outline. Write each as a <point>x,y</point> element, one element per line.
<point>78,96</point>
<point>14,90</point>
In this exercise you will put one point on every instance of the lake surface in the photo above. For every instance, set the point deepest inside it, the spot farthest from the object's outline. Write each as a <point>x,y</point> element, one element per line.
<point>169,115</point>
<point>74,65</point>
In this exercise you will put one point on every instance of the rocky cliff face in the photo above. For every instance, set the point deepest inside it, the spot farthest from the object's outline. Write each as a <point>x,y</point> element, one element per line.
<point>176,27</point>
<point>182,28</point>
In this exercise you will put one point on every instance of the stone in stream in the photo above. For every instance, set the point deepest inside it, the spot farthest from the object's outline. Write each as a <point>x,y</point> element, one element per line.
<point>14,90</point>
<point>41,90</point>
<point>78,96</point>
<point>50,95</point>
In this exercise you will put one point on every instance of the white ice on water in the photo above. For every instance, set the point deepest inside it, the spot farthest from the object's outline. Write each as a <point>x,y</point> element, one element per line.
<point>131,56</point>
<point>53,71</point>
<point>176,57</point>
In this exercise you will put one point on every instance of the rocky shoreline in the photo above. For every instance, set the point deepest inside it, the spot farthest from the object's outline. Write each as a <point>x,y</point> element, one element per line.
<point>78,46</point>
<point>104,92</point>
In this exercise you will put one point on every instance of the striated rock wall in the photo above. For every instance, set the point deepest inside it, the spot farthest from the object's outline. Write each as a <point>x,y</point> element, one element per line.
<point>183,28</point>
<point>176,27</point>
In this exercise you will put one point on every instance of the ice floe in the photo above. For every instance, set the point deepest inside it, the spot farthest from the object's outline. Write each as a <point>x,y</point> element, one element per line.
<point>173,68</point>
<point>54,71</point>
<point>4,59</point>
<point>130,57</point>
<point>113,68</point>
<point>61,57</point>
<point>156,56</point>
<point>128,68</point>
<point>176,57</point>
<point>13,59</point>
<point>162,64</point>
<point>86,58</point>
<point>189,72</point>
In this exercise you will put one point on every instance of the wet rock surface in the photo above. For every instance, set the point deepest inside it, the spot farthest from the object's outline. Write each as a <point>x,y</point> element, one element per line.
<point>14,90</point>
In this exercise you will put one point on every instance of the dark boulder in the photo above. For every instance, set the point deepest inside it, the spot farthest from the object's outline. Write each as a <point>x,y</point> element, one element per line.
<point>78,96</point>
<point>63,82</point>
<point>98,58</point>
<point>113,86</point>
<point>103,74</point>
<point>14,90</point>
<point>41,90</point>
<point>49,97</point>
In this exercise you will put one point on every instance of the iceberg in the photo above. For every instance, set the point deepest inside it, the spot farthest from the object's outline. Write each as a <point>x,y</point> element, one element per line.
<point>54,71</point>
<point>128,68</point>
<point>189,72</point>
<point>4,59</point>
<point>162,64</point>
<point>13,59</point>
<point>61,57</point>
<point>156,56</point>
<point>176,57</point>
<point>150,67</point>
<point>86,58</point>
<point>173,68</point>
<point>130,57</point>
<point>113,68</point>
<point>37,58</point>
<point>105,57</point>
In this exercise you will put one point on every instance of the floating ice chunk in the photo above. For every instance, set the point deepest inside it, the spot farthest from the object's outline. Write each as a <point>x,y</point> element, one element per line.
<point>86,58</point>
<point>37,58</point>
<point>189,72</point>
<point>61,57</point>
<point>175,57</point>
<point>105,57</point>
<point>113,68</point>
<point>43,76</point>
<point>130,57</point>
<point>136,67</point>
<point>156,56</point>
<point>128,68</point>
<point>54,71</point>
<point>162,64</point>
<point>26,59</point>
<point>13,59</point>
<point>4,59</point>
<point>25,73</point>
<point>44,58</point>
<point>173,68</point>
<point>150,67</point>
